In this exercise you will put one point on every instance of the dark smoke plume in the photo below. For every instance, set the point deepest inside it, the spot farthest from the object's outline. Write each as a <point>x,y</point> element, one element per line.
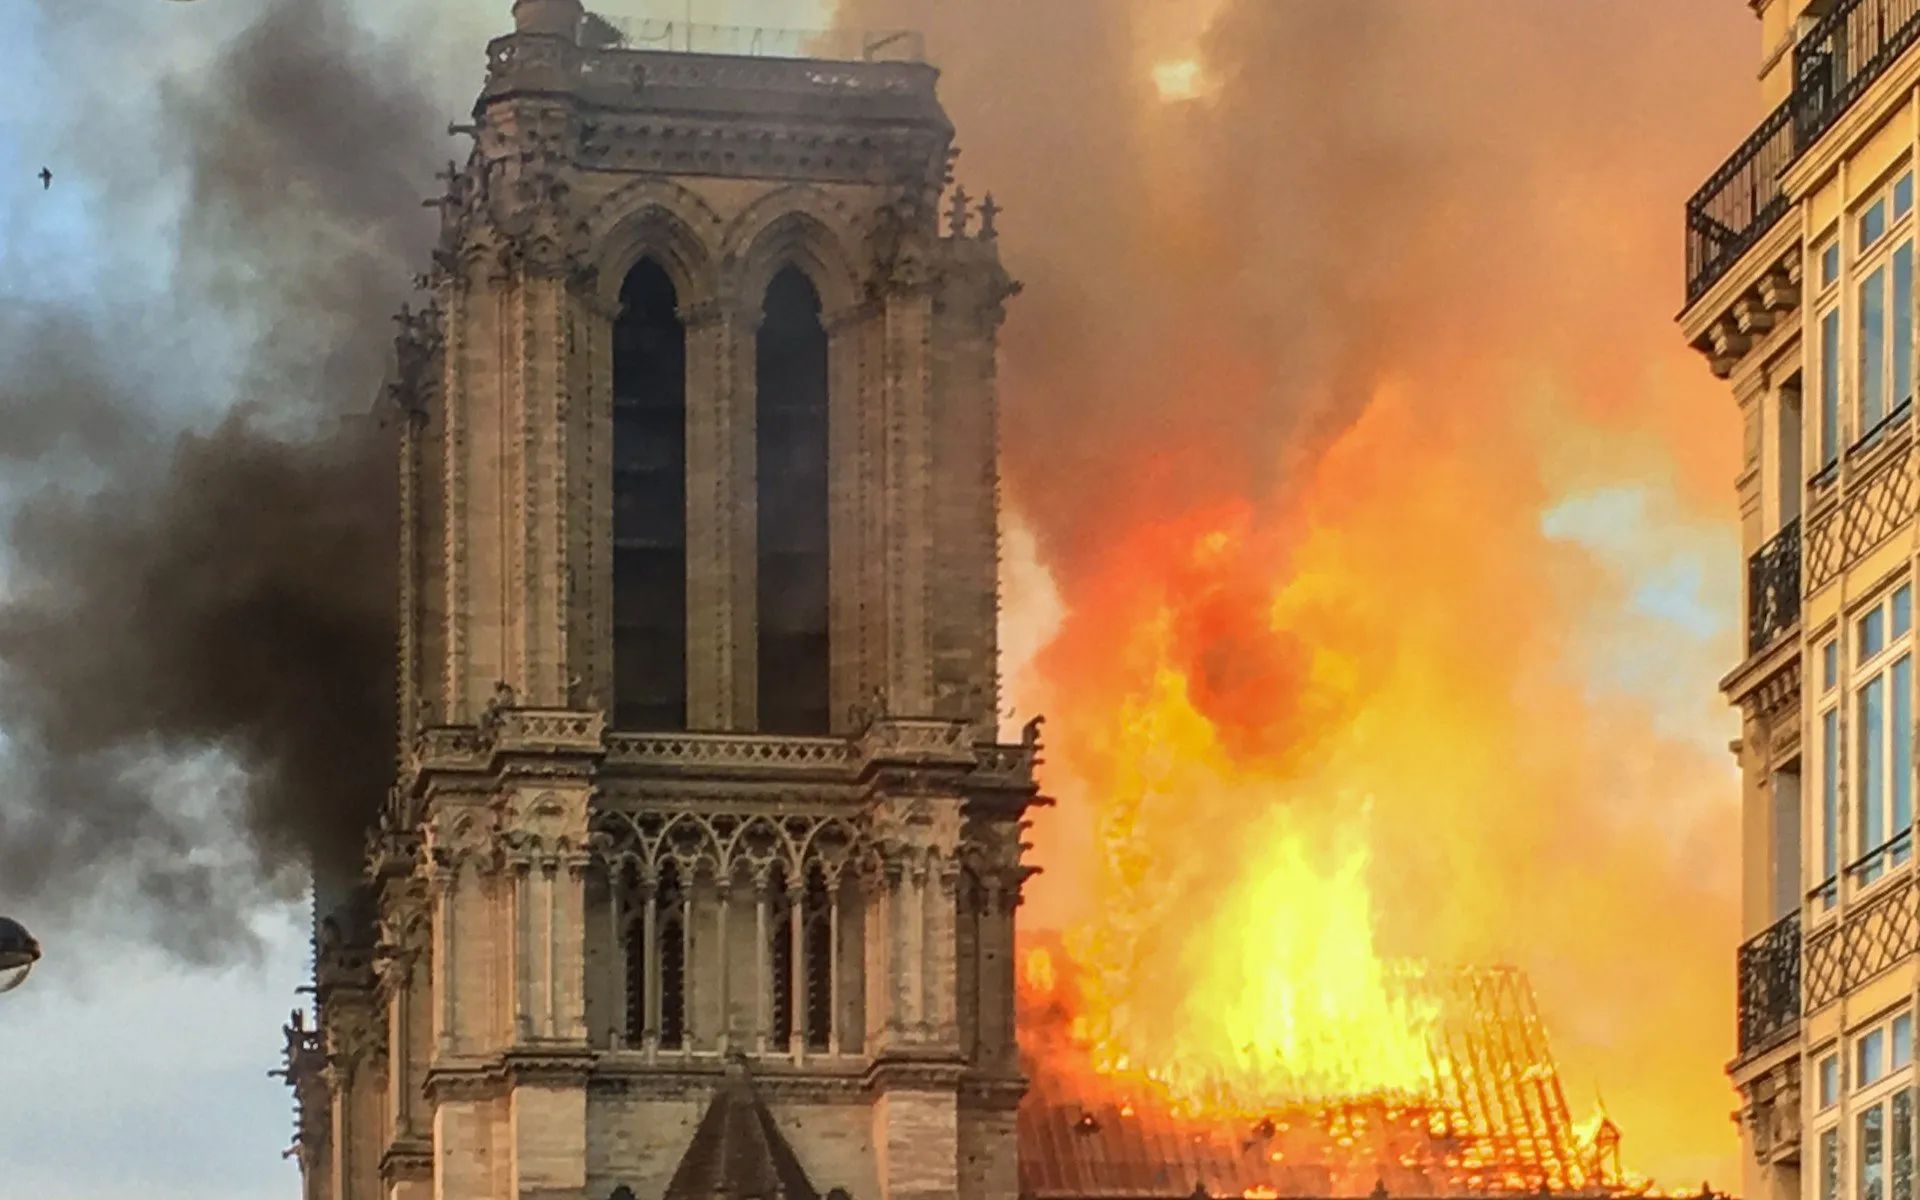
<point>219,598</point>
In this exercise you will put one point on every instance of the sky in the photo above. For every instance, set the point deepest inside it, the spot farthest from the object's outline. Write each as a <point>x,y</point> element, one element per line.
<point>126,1072</point>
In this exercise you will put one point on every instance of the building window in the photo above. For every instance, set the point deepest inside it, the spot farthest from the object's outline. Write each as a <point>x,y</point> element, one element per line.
<point>1870,1180</point>
<point>1829,1075</point>
<point>1902,1156</point>
<point>1830,665</point>
<point>1830,350</point>
<point>1830,1165</point>
<point>1870,1061</point>
<point>1884,316</point>
<point>1829,265</point>
<point>791,437</point>
<point>657,943</point>
<point>649,505</point>
<point>1882,712</point>
<point>800,935</point>
<point>1900,1041</point>
<point>1829,807</point>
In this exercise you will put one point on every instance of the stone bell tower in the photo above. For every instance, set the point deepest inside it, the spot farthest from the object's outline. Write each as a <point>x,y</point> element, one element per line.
<point>700,871</point>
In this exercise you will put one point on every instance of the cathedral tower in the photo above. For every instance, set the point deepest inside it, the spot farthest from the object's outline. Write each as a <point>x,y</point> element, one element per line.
<point>700,872</point>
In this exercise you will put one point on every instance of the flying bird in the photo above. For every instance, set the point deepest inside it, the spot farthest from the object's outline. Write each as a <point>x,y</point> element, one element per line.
<point>46,179</point>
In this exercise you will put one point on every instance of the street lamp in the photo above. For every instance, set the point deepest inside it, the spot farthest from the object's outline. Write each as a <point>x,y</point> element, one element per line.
<point>18,953</point>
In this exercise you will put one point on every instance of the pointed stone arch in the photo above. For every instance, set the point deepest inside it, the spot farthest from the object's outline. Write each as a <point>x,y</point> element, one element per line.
<point>798,226</point>
<point>664,221</point>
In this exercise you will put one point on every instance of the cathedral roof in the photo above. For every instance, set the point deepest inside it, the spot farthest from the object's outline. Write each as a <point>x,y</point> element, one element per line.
<point>738,1152</point>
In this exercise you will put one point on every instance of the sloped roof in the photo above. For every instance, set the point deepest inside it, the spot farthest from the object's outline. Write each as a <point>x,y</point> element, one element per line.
<point>1498,1121</point>
<point>738,1152</point>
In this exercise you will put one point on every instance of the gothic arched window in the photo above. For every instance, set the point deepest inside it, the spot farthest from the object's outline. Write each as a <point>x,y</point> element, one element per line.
<point>791,429</point>
<point>649,505</point>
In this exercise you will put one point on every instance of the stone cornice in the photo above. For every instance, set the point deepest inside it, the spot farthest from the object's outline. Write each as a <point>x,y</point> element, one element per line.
<point>1765,682</point>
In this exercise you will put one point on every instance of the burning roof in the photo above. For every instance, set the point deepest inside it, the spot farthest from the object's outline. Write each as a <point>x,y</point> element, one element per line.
<point>1492,1118</point>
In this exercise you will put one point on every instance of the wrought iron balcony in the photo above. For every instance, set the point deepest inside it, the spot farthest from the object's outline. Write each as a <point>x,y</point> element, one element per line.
<point>1835,62</point>
<point>1739,202</point>
<point>1770,983</point>
<point>1773,588</point>
<point>1841,56</point>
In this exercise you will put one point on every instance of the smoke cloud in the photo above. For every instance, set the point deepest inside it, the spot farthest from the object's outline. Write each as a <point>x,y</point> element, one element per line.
<point>197,633</point>
<point>1338,318</point>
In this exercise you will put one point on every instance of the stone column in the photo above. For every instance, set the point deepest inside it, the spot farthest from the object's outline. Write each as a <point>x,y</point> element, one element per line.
<point>720,518</point>
<point>908,323</point>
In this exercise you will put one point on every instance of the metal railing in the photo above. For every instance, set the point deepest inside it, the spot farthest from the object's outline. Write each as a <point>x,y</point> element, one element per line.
<point>1769,993</point>
<point>754,41</point>
<point>1773,588</point>
<point>1739,202</point>
<point>1834,63</point>
<point>1841,56</point>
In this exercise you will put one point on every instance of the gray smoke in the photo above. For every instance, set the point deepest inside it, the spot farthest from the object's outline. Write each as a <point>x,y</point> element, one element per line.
<point>196,638</point>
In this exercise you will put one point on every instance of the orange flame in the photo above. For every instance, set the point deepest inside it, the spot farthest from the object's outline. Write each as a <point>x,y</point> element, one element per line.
<point>1361,483</point>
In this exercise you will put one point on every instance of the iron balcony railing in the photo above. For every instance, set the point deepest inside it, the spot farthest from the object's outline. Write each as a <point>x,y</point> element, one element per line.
<point>1773,588</point>
<point>1834,63</point>
<point>1770,983</point>
<point>1739,202</point>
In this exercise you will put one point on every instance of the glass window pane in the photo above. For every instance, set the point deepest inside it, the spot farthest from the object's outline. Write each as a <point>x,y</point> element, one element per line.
<point>1902,607</point>
<point>1871,779</point>
<point>1902,1145</point>
<point>1902,195</point>
<point>1829,665</point>
<point>1902,338</point>
<point>1901,1040</point>
<point>1871,1183</point>
<point>1899,727</point>
<point>1829,1081</point>
<point>1830,387</point>
<point>1830,795</point>
<point>1830,1165</point>
<point>1873,634</point>
<point>1873,349</point>
<point>1873,223</point>
<point>1830,264</point>
<point>1870,1061</point>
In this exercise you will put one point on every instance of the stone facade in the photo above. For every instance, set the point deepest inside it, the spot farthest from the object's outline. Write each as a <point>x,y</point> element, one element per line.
<point>574,937</point>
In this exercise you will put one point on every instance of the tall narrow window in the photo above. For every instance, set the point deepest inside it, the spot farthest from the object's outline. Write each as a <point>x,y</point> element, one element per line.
<point>1829,804</point>
<point>649,505</point>
<point>1900,740</point>
<point>817,933</point>
<point>1871,775</point>
<point>1830,388</point>
<point>1902,1145</point>
<point>791,429</point>
<point>1873,348</point>
<point>1870,1183</point>
<point>1903,325</point>
<point>670,941</point>
<point>780,960</point>
<point>1830,1164</point>
<point>640,965</point>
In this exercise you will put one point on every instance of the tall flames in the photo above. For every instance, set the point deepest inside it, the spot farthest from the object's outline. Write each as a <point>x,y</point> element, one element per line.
<point>1372,532</point>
